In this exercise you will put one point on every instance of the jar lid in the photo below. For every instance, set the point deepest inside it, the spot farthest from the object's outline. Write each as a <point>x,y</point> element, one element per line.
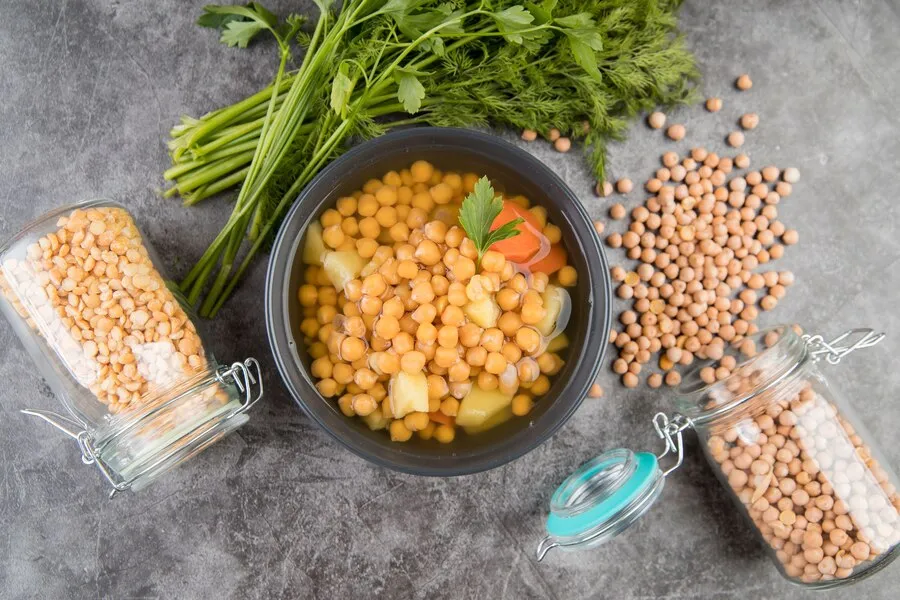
<point>602,498</point>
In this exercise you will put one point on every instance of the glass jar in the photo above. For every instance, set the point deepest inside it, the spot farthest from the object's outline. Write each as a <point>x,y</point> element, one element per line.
<point>115,341</point>
<point>786,446</point>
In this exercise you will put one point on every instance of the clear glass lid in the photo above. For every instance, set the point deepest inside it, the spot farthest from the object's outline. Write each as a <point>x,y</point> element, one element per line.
<point>602,498</point>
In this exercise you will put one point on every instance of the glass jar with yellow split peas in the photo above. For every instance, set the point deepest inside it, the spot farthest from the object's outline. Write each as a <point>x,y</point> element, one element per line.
<point>786,446</point>
<point>420,327</point>
<point>84,291</point>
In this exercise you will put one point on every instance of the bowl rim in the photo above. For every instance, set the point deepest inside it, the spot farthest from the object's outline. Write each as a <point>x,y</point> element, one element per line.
<point>298,382</point>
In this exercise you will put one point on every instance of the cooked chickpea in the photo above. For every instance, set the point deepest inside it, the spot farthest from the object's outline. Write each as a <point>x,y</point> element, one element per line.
<point>412,362</point>
<point>540,386</point>
<point>493,262</point>
<point>522,405</point>
<point>567,276</point>
<point>444,433</point>
<point>400,432</point>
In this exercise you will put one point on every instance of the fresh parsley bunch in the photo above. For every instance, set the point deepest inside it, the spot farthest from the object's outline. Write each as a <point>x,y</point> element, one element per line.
<point>585,67</point>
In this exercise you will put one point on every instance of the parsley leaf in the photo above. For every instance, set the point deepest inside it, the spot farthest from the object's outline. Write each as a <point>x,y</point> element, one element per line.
<point>341,89</point>
<point>577,21</point>
<point>239,33</point>
<point>240,24</point>
<point>511,21</point>
<point>583,52</point>
<point>410,91</point>
<point>477,214</point>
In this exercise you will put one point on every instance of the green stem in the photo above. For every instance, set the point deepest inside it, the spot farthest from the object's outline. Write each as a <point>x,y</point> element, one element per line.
<point>214,188</point>
<point>311,169</point>
<point>251,189</point>
<point>225,115</point>
<point>185,167</point>
<point>223,167</point>
<point>234,132</point>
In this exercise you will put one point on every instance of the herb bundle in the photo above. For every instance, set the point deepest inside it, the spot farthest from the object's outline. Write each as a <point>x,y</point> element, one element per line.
<point>583,66</point>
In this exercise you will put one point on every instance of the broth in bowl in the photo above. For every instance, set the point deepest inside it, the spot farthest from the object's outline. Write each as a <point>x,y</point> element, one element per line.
<point>433,304</point>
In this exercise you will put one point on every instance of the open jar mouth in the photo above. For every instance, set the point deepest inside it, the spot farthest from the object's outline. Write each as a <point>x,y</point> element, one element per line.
<point>747,368</point>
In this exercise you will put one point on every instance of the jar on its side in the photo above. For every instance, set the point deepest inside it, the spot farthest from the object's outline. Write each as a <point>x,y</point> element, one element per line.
<point>793,456</point>
<point>86,295</point>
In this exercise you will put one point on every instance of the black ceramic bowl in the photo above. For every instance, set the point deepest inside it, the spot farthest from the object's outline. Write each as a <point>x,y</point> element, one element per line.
<point>519,173</point>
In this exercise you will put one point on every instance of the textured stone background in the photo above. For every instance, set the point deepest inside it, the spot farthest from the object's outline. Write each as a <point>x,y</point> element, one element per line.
<point>89,91</point>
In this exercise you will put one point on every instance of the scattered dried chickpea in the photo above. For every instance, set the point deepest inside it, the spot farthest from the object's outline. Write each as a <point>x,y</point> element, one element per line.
<point>562,144</point>
<point>617,211</point>
<point>529,135</point>
<point>744,83</point>
<point>714,104</point>
<point>699,239</point>
<point>624,185</point>
<point>676,132</point>
<point>749,120</point>
<point>791,175</point>
<point>603,189</point>
<point>656,120</point>
<point>735,139</point>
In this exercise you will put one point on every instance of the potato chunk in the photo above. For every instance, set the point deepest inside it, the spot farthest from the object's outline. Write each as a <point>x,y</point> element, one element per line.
<point>483,313</point>
<point>341,267</point>
<point>479,406</point>
<point>409,393</point>
<point>314,248</point>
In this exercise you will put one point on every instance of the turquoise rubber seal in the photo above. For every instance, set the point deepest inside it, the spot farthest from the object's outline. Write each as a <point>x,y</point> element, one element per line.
<point>609,509</point>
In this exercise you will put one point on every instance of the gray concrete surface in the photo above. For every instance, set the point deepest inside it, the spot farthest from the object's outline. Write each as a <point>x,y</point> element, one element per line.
<point>89,91</point>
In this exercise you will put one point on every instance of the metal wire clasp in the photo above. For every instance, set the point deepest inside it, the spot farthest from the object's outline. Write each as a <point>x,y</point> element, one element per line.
<point>248,380</point>
<point>670,431</point>
<point>834,351</point>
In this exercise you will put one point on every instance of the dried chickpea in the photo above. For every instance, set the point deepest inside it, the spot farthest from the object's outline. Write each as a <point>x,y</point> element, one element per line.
<point>749,120</point>
<point>656,120</point>
<point>676,132</point>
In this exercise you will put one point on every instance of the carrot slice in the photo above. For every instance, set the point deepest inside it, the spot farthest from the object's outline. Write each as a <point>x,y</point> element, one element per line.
<point>439,417</point>
<point>553,262</point>
<point>523,246</point>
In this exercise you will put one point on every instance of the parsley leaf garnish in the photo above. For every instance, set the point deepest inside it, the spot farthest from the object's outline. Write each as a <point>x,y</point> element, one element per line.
<point>477,214</point>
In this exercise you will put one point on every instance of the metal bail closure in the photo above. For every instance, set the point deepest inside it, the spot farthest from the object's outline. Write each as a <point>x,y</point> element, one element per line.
<point>601,499</point>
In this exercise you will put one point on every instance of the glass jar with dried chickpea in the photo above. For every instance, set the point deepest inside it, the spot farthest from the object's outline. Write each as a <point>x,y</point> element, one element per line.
<point>412,329</point>
<point>783,442</point>
<point>83,290</point>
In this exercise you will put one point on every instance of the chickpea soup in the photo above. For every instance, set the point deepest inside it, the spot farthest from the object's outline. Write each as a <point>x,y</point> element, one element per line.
<point>432,303</point>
